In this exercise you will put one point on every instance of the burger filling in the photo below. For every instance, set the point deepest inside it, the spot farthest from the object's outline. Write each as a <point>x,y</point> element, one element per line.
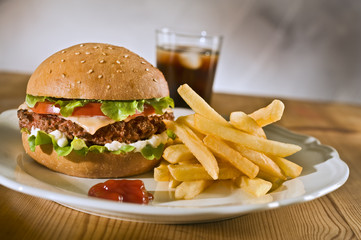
<point>99,126</point>
<point>139,128</point>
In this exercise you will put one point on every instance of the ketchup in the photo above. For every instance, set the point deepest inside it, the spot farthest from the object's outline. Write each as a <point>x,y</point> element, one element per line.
<point>132,191</point>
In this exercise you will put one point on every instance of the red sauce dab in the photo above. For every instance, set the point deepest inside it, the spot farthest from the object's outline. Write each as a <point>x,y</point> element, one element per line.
<point>132,191</point>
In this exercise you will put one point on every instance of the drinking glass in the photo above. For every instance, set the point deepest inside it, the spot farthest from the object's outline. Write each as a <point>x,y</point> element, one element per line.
<point>188,58</point>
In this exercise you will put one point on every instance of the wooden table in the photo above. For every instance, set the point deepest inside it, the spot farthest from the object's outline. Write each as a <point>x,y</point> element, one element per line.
<point>334,216</point>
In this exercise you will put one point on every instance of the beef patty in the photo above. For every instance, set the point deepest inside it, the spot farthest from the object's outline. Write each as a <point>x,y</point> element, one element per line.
<point>139,128</point>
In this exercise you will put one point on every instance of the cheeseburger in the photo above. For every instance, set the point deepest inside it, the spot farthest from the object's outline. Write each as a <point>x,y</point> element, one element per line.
<point>96,110</point>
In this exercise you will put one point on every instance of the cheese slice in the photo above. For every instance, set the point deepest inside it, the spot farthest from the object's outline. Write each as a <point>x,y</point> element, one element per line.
<point>91,124</point>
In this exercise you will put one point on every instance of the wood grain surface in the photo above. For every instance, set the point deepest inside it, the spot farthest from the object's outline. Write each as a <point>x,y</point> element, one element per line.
<point>334,216</point>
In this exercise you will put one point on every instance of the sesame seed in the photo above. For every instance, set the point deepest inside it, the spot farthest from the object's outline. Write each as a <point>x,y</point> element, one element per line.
<point>118,61</point>
<point>108,86</point>
<point>110,47</point>
<point>142,62</point>
<point>100,76</point>
<point>126,56</point>
<point>96,47</point>
<point>77,53</point>
<point>82,61</point>
<point>147,69</point>
<point>154,80</point>
<point>90,71</point>
<point>104,54</point>
<point>78,82</point>
<point>87,53</point>
<point>63,51</point>
<point>63,60</point>
<point>102,61</point>
<point>63,75</point>
<point>81,45</point>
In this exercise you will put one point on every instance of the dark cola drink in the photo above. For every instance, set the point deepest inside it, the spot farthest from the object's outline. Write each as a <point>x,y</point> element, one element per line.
<point>192,65</point>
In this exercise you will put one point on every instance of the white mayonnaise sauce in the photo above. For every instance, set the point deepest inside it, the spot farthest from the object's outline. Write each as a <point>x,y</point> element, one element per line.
<point>155,141</point>
<point>60,138</point>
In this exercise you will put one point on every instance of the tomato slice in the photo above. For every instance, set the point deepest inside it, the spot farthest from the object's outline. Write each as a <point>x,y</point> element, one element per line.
<point>46,108</point>
<point>90,109</point>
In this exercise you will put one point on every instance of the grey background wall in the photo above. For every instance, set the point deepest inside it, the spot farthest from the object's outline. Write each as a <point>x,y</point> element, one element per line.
<point>306,49</point>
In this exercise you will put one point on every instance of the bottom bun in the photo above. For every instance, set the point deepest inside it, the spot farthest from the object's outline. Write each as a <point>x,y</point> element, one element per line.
<point>92,165</point>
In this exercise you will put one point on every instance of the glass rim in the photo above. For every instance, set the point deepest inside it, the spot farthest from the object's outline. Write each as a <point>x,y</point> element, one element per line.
<point>202,34</point>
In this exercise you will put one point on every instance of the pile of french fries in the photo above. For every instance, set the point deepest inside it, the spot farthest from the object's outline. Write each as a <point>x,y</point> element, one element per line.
<point>208,148</point>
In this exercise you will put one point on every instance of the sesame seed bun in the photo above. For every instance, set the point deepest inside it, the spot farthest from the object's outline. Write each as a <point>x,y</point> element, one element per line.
<point>92,165</point>
<point>97,71</point>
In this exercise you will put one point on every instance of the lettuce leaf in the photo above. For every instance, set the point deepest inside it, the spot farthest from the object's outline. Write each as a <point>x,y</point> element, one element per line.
<point>160,104</point>
<point>171,134</point>
<point>119,111</point>
<point>24,130</point>
<point>97,149</point>
<point>116,110</point>
<point>149,152</point>
<point>67,107</point>
<point>32,100</point>
<point>125,148</point>
<point>78,145</point>
<point>40,139</point>
<point>31,141</point>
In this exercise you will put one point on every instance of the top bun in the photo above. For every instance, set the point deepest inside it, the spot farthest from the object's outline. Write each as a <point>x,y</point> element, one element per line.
<point>97,71</point>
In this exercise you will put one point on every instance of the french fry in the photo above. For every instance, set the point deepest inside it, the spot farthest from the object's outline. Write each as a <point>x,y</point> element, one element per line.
<point>256,186</point>
<point>192,172</point>
<point>244,154</point>
<point>161,173</point>
<point>268,177</point>
<point>276,182</point>
<point>177,153</point>
<point>196,146</point>
<point>270,147</point>
<point>221,149</point>
<point>175,141</point>
<point>290,169</point>
<point>198,104</point>
<point>264,163</point>
<point>243,122</point>
<point>190,161</point>
<point>189,121</point>
<point>173,183</point>
<point>269,114</point>
<point>189,190</point>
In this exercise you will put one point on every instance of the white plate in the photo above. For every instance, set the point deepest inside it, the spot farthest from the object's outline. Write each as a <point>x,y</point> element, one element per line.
<point>323,172</point>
